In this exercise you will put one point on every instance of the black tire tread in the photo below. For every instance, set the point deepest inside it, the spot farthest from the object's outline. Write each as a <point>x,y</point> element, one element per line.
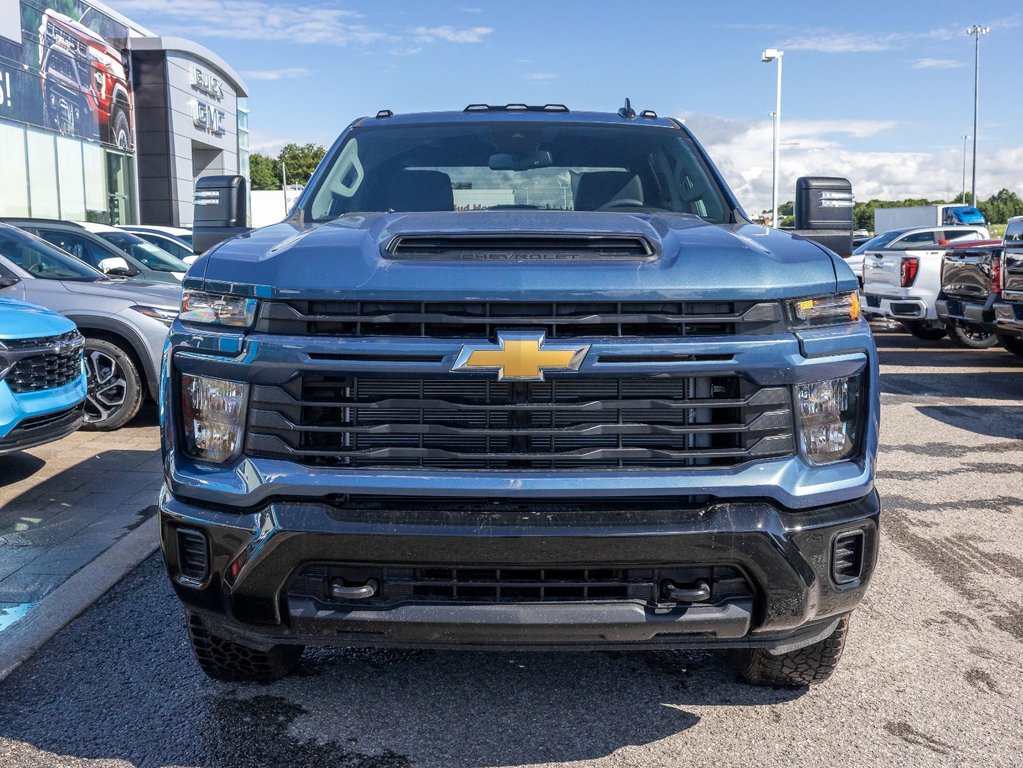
<point>811,665</point>
<point>959,337</point>
<point>923,331</point>
<point>232,662</point>
<point>1012,344</point>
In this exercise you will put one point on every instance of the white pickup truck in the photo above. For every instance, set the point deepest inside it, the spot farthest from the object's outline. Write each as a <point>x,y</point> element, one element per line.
<point>902,278</point>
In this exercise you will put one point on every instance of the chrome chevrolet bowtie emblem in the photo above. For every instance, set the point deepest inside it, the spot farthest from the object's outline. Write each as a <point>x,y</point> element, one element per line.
<point>521,356</point>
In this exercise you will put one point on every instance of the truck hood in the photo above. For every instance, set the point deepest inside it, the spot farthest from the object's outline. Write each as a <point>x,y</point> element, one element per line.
<point>19,320</point>
<point>138,291</point>
<point>347,257</point>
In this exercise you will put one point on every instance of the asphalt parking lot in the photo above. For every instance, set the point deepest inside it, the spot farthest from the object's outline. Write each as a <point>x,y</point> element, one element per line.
<point>931,674</point>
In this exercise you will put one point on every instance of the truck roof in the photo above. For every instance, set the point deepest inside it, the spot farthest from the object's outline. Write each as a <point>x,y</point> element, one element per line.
<point>551,113</point>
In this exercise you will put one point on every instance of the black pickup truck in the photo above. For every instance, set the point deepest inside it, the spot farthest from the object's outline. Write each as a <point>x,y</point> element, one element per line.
<point>982,288</point>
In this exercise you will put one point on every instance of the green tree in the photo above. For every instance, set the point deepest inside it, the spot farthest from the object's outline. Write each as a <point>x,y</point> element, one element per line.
<point>264,171</point>
<point>300,160</point>
<point>1001,206</point>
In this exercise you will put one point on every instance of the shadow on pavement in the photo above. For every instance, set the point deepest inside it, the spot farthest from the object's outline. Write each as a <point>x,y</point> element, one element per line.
<point>993,421</point>
<point>15,467</point>
<point>139,697</point>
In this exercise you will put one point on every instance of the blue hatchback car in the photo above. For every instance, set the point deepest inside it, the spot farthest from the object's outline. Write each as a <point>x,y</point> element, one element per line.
<point>42,376</point>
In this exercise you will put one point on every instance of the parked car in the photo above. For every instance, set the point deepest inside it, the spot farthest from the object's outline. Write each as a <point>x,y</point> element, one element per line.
<point>902,279</point>
<point>177,241</point>
<point>982,288</point>
<point>611,413</point>
<point>42,378</point>
<point>124,322</point>
<point>98,246</point>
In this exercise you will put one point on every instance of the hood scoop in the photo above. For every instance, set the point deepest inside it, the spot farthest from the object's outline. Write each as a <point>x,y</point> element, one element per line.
<point>518,246</point>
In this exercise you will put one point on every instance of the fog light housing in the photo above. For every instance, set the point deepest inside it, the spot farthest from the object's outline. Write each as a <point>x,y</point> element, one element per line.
<point>213,417</point>
<point>829,418</point>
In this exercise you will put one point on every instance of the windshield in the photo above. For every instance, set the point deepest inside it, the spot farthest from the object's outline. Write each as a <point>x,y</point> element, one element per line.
<point>40,259</point>
<point>151,255</point>
<point>516,166</point>
<point>878,241</point>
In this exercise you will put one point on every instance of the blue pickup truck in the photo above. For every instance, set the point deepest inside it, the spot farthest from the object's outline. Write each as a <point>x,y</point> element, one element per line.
<point>519,377</point>
<point>42,376</point>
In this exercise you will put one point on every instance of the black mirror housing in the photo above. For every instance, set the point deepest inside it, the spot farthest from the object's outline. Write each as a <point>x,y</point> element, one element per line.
<point>220,210</point>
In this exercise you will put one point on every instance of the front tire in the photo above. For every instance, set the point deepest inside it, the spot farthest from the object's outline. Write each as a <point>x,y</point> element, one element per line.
<point>1013,344</point>
<point>232,662</point>
<point>806,666</point>
<point>115,386</point>
<point>120,129</point>
<point>964,336</point>
<point>924,331</point>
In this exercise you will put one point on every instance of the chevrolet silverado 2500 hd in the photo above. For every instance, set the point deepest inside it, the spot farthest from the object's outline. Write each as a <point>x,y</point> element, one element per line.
<point>519,377</point>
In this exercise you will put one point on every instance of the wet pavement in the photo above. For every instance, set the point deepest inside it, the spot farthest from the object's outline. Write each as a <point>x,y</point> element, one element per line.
<point>931,674</point>
<point>65,503</point>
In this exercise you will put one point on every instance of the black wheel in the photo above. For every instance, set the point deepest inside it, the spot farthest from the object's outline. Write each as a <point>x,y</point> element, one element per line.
<point>115,386</point>
<point>963,336</point>
<point>233,662</point>
<point>1012,343</point>
<point>120,130</point>
<point>924,331</point>
<point>806,666</point>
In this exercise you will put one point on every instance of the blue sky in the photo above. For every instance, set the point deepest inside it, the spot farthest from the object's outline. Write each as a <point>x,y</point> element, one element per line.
<point>880,92</point>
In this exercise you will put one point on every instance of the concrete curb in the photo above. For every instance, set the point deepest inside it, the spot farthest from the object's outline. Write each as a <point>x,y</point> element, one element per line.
<point>74,596</point>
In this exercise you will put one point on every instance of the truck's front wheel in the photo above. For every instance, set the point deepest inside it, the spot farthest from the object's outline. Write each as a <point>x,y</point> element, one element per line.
<point>805,666</point>
<point>232,662</point>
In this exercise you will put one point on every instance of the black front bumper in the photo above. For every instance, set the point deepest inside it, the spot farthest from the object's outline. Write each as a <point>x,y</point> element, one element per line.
<point>785,558</point>
<point>37,430</point>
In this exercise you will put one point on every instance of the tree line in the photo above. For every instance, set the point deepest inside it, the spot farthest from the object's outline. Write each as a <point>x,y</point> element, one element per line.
<point>298,161</point>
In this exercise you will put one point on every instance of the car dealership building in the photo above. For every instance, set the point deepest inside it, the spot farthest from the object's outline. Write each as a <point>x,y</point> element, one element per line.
<point>101,120</point>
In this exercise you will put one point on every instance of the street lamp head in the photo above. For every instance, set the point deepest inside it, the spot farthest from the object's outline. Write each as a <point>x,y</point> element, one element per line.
<point>977,30</point>
<point>771,54</point>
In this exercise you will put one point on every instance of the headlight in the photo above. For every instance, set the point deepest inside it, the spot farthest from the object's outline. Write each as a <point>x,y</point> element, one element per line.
<point>829,418</point>
<point>217,309</point>
<point>832,309</point>
<point>213,416</point>
<point>164,315</point>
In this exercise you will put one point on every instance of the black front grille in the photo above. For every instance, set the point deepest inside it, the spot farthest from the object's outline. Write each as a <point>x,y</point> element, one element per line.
<point>482,320</point>
<point>43,363</point>
<point>445,584</point>
<point>565,423</point>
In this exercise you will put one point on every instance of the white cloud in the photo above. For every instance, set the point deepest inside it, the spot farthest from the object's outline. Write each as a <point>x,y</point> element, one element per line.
<point>542,77</point>
<point>285,73</point>
<point>742,150</point>
<point>937,64</point>
<point>837,43</point>
<point>452,34</point>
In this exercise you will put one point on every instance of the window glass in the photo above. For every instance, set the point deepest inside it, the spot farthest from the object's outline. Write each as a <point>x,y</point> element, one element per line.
<point>166,244</point>
<point>149,254</point>
<point>42,163</point>
<point>13,172</point>
<point>78,246</point>
<point>527,165</point>
<point>1014,232</point>
<point>95,179</point>
<point>40,259</point>
<point>915,240</point>
<point>72,179</point>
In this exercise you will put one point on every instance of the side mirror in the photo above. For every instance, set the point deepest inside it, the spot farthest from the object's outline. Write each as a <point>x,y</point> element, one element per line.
<point>219,210</point>
<point>115,265</point>
<point>6,281</point>
<point>824,211</point>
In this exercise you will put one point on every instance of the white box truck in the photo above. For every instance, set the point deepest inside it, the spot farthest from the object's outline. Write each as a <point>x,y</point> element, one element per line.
<point>887,219</point>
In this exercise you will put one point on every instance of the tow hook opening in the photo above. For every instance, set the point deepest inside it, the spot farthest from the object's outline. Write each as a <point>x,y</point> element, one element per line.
<point>342,591</point>
<point>698,593</point>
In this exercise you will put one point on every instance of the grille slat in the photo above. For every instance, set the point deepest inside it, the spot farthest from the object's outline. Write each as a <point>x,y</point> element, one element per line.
<point>462,320</point>
<point>42,363</point>
<point>355,421</point>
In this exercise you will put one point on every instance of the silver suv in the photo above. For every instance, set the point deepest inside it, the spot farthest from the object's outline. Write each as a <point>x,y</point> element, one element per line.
<point>124,322</point>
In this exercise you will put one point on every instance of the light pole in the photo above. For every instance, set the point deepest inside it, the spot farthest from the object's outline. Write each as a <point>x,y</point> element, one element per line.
<point>773,54</point>
<point>965,138</point>
<point>976,30</point>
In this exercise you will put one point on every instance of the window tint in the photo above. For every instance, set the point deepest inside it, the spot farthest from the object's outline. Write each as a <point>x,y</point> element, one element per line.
<point>78,246</point>
<point>961,234</point>
<point>1014,232</point>
<point>166,244</point>
<point>915,240</point>
<point>517,166</point>
<point>42,260</point>
<point>149,254</point>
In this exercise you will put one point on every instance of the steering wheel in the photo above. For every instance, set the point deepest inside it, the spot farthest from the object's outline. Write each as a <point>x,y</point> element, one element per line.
<point>622,202</point>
